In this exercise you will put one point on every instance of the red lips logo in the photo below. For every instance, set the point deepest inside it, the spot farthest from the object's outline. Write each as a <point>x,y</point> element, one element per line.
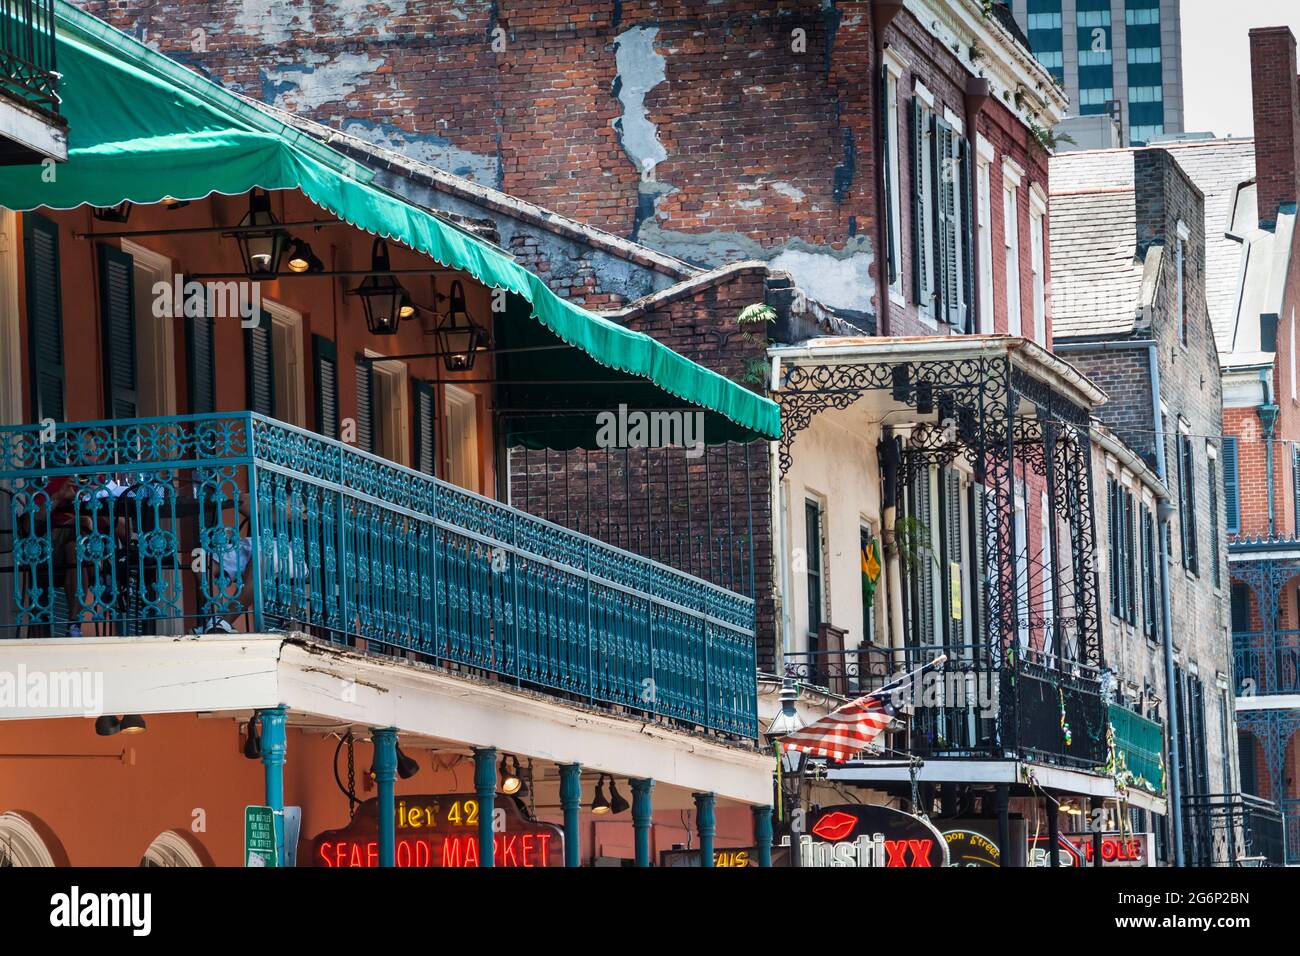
<point>835,826</point>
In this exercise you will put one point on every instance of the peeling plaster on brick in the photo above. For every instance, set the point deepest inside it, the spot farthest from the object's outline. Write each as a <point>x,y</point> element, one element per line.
<point>840,278</point>
<point>429,148</point>
<point>640,68</point>
<point>788,190</point>
<point>271,21</point>
<point>318,81</point>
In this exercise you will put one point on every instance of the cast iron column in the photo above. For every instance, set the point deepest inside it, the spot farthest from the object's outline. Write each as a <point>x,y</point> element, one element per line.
<point>1097,804</point>
<point>1053,831</point>
<point>1004,820</point>
<point>271,731</point>
<point>706,824</point>
<point>385,741</point>
<point>763,834</point>
<point>571,803</point>
<point>485,787</point>
<point>642,817</point>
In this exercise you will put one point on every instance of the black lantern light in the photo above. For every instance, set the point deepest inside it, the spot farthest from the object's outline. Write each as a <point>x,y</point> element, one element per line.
<point>459,336</point>
<point>119,213</point>
<point>261,240</point>
<point>600,803</point>
<point>382,295</point>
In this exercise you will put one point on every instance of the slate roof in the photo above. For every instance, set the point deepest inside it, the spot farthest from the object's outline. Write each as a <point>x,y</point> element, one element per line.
<point>1095,278</point>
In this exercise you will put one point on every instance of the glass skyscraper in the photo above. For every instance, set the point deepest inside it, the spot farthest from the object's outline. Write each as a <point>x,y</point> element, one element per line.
<point>1121,57</point>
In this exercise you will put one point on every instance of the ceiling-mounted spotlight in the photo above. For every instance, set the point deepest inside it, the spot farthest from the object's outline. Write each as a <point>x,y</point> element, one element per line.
<point>106,725</point>
<point>170,202</point>
<point>133,724</point>
<point>616,802</point>
<point>302,259</point>
<point>253,742</point>
<point>511,782</point>
<point>119,213</point>
<point>600,803</point>
<point>407,767</point>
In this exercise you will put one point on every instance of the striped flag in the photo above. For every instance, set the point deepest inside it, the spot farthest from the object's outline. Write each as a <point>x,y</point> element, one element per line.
<point>850,729</point>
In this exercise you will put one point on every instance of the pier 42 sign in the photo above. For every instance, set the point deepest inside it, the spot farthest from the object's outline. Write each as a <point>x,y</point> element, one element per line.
<point>441,830</point>
<point>870,836</point>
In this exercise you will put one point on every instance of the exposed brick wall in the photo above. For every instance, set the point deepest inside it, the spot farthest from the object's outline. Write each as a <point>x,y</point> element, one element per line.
<point>1276,105</point>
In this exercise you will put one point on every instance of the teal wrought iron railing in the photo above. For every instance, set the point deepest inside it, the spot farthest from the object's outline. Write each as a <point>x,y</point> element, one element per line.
<point>1266,662</point>
<point>207,522</point>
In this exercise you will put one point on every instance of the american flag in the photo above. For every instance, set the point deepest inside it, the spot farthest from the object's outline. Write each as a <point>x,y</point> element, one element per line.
<point>850,729</point>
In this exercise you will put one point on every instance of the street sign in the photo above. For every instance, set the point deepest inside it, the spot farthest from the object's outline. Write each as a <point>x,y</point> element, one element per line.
<point>259,837</point>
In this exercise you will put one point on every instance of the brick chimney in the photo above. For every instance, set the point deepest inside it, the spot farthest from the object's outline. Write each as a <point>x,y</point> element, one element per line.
<point>1277,117</point>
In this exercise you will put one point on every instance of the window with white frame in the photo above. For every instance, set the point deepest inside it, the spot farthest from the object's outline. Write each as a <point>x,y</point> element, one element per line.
<point>1037,211</point>
<point>1011,244</point>
<point>923,240</point>
<point>984,188</point>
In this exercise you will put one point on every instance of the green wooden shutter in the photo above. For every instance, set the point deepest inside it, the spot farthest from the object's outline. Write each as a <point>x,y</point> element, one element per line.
<point>117,317</point>
<point>979,541</point>
<point>920,290</point>
<point>925,557</point>
<point>1230,493</point>
<point>954,556</point>
<point>259,366</point>
<point>967,170</point>
<point>945,220</point>
<point>425,442</point>
<point>325,361</point>
<point>887,136</point>
<point>200,364</point>
<point>365,405</point>
<point>44,316</point>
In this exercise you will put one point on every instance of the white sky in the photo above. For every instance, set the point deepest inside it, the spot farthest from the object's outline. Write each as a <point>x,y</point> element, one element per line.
<point>1216,59</point>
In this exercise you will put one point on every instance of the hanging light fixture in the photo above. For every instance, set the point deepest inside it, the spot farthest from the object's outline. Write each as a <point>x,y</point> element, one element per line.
<point>407,311</point>
<point>261,240</point>
<point>253,742</point>
<point>600,803</point>
<point>172,202</point>
<point>382,295</point>
<point>302,259</point>
<point>119,213</point>
<point>106,725</point>
<point>459,336</point>
<point>616,802</point>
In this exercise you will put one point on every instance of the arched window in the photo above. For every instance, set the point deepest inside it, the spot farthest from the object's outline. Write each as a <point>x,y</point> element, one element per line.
<point>170,848</point>
<point>20,844</point>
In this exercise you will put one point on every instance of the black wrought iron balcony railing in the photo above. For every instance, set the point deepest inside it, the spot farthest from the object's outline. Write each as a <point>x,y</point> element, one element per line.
<point>1266,662</point>
<point>1234,829</point>
<point>218,522</point>
<point>984,703</point>
<point>27,61</point>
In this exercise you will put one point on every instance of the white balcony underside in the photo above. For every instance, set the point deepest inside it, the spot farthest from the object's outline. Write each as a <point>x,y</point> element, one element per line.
<point>239,673</point>
<point>1003,771</point>
<point>1268,702</point>
<point>32,131</point>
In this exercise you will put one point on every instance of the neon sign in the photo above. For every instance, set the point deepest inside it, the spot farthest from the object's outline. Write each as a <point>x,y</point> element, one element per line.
<point>874,836</point>
<point>441,830</point>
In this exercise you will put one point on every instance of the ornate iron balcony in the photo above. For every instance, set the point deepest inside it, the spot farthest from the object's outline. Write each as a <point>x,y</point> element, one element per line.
<point>1234,829</point>
<point>27,68</point>
<point>1266,662</point>
<point>212,522</point>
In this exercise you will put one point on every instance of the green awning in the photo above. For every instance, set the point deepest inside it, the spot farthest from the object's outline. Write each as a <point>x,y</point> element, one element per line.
<point>142,127</point>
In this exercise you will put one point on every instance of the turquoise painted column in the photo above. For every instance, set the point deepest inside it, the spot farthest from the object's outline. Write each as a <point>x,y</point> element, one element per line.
<point>270,723</point>
<point>763,834</point>
<point>707,824</point>
<point>485,787</point>
<point>642,818</point>
<point>571,804</point>
<point>385,740</point>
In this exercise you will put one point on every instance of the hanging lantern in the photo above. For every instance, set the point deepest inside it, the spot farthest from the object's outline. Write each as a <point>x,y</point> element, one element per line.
<point>119,213</point>
<point>381,295</point>
<point>261,240</point>
<point>459,337</point>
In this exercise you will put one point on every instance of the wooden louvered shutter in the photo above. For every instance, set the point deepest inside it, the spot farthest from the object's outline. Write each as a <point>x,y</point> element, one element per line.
<point>925,555</point>
<point>920,288</point>
<point>44,316</point>
<point>425,436</point>
<point>365,405</point>
<point>967,171</point>
<point>200,363</point>
<point>980,545</point>
<point>1231,497</point>
<point>887,136</point>
<point>259,366</point>
<point>945,247</point>
<point>325,361</point>
<point>954,557</point>
<point>117,315</point>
